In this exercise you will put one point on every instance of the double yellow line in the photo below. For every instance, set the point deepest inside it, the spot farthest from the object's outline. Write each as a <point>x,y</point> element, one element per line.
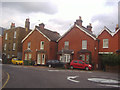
<point>6,80</point>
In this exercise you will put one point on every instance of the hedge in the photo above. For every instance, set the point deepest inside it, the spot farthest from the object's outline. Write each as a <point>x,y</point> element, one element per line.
<point>111,59</point>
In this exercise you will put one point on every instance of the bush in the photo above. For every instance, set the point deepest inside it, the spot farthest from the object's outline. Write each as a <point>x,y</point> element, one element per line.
<point>111,59</point>
<point>29,62</point>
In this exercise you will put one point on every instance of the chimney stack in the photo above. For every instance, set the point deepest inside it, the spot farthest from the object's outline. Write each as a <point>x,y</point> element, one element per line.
<point>27,24</point>
<point>42,25</point>
<point>79,21</point>
<point>116,27</point>
<point>12,25</point>
<point>89,27</point>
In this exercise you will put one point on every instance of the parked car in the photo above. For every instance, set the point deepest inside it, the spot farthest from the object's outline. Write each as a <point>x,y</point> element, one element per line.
<point>17,61</point>
<point>54,63</point>
<point>80,64</point>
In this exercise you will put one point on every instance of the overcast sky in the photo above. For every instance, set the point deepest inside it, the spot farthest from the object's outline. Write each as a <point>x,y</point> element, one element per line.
<point>60,15</point>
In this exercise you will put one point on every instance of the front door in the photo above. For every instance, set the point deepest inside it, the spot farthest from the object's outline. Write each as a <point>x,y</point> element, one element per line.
<point>39,59</point>
<point>43,59</point>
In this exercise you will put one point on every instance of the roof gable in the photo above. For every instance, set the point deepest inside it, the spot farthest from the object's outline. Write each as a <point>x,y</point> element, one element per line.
<point>49,35</point>
<point>82,29</point>
<point>106,29</point>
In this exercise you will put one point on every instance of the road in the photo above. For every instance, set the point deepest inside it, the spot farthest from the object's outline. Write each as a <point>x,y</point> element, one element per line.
<point>37,77</point>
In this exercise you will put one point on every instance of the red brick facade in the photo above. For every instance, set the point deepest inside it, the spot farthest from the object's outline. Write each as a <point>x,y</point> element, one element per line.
<point>113,41</point>
<point>36,53</point>
<point>75,36</point>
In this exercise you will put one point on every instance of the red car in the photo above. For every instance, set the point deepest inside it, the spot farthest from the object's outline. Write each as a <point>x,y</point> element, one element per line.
<point>80,64</point>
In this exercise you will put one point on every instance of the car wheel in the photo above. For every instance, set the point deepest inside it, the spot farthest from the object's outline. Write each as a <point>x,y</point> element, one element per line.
<point>49,65</point>
<point>86,68</point>
<point>71,67</point>
<point>16,63</point>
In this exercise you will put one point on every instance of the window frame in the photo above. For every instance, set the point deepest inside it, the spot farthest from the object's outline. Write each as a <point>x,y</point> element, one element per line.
<point>14,46</point>
<point>66,44</point>
<point>29,45</point>
<point>42,45</point>
<point>5,47</point>
<point>105,44</point>
<point>6,36</point>
<point>15,34</point>
<point>84,44</point>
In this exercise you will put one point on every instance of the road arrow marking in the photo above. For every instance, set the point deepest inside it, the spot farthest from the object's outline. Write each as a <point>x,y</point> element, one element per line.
<point>72,77</point>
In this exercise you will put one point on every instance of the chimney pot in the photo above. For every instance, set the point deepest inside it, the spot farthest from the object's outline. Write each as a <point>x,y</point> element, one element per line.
<point>117,26</point>
<point>27,24</point>
<point>89,27</point>
<point>42,25</point>
<point>79,21</point>
<point>12,25</point>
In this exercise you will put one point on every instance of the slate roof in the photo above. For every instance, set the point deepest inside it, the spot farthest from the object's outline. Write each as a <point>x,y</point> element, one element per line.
<point>88,31</point>
<point>82,28</point>
<point>52,35</point>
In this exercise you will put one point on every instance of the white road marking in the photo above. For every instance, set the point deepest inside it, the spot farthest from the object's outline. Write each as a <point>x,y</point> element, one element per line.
<point>53,70</point>
<point>72,77</point>
<point>101,80</point>
<point>110,85</point>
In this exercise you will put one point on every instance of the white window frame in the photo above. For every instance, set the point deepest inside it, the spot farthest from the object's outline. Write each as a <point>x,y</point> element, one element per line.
<point>84,44</point>
<point>14,46</point>
<point>29,45</point>
<point>83,57</point>
<point>42,45</point>
<point>6,36</point>
<point>67,58</point>
<point>8,56</point>
<point>15,34</point>
<point>30,56</point>
<point>87,58</point>
<point>25,56</point>
<point>66,44</point>
<point>5,46</point>
<point>105,43</point>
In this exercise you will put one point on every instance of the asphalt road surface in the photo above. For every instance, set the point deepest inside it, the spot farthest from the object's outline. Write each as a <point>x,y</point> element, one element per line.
<point>37,77</point>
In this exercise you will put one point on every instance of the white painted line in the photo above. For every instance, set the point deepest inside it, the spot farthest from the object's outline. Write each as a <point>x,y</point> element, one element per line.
<point>101,80</point>
<point>110,85</point>
<point>53,70</point>
<point>73,77</point>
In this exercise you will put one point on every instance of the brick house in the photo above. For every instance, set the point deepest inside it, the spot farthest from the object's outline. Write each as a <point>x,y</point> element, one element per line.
<point>78,43</point>
<point>12,38</point>
<point>109,41</point>
<point>40,45</point>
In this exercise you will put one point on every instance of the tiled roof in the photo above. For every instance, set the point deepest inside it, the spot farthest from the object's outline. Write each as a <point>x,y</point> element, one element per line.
<point>52,35</point>
<point>88,31</point>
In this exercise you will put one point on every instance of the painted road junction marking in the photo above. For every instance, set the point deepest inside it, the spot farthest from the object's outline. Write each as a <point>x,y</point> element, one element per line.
<point>101,80</point>
<point>70,78</point>
<point>6,80</point>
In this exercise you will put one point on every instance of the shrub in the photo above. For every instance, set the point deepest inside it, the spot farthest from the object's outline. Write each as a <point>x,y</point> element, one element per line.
<point>111,59</point>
